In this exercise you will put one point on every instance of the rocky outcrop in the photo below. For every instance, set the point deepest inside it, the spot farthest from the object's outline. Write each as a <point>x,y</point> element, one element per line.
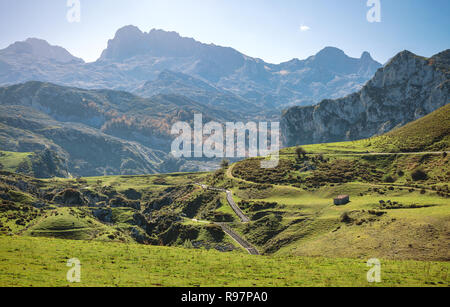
<point>120,202</point>
<point>132,194</point>
<point>406,89</point>
<point>93,198</point>
<point>103,214</point>
<point>69,197</point>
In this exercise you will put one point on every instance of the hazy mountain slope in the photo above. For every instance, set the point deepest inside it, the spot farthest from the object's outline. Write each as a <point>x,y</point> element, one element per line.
<point>115,113</point>
<point>406,89</point>
<point>330,73</point>
<point>98,131</point>
<point>43,164</point>
<point>175,83</point>
<point>87,151</point>
<point>35,59</point>
<point>134,58</point>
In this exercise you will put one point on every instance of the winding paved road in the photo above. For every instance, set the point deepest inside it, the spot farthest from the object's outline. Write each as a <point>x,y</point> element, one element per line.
<point>236,209</point>
<point>231,202</point>
<point>242,242</point>
<point>244,219</point>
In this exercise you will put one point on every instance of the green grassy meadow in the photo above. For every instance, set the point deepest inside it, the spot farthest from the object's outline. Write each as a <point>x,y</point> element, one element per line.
<point>26,261</point>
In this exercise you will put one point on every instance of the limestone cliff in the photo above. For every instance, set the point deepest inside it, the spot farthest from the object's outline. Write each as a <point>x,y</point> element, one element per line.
<point>407,88</point>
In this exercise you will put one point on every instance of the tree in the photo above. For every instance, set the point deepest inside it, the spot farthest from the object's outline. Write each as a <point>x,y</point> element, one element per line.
<point>419,174</point>
<point>300,152</point>
<point>225,163</point>
<point>388,178</point>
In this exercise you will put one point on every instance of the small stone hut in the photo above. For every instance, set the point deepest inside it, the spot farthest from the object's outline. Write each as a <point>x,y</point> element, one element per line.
<point>342,200</point>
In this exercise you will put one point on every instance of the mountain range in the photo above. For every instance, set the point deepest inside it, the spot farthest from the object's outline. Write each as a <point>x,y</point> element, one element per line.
<point>134,60</point>
<point>114,116</point>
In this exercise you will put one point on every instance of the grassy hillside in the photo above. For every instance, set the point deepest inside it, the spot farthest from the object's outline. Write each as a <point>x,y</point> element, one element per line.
<point>42,262</point>
<point>430,133</point>
<point>157,210</point>
<point>40,164</point>
<point>383,220</point>
<point>67,223</point>
<point>10,161</point>
<point>399,205</point>
<point>291,207</point>
<point>398,211</point>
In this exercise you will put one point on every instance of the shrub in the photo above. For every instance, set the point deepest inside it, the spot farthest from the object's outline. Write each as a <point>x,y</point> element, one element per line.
<point>388,178</point>
<point>225,163</point>
<point>401,173</point>
<point>188,244</point>
<point>345,218</point>
<point>216,232</point>
<point>222,217</point>
<point>419,174</point>
<point>300,152</point>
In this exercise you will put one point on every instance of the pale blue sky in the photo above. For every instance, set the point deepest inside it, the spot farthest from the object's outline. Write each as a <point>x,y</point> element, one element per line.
<point>267,29</point>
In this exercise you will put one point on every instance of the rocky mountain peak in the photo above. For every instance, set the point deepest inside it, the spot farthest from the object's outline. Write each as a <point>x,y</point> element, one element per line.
<point>158,33</point>
<point>334,59</point>
<point>39,49</point>
<point>366,56</point>
<point>330,53</point>
<point>129,41</point>
<point>402,56</point>
<point>128,31</point>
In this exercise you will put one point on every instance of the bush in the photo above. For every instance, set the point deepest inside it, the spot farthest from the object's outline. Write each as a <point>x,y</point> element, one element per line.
<point>160,181</point>
<point>388,178</point>
<point>225,163</point>
<point>345,218</point>
<point>401,173</point>
<point>300,152</point>
<point>188,244</point>
<point>222,217</point>
<point>419,175</point>
<point>216,232</point>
